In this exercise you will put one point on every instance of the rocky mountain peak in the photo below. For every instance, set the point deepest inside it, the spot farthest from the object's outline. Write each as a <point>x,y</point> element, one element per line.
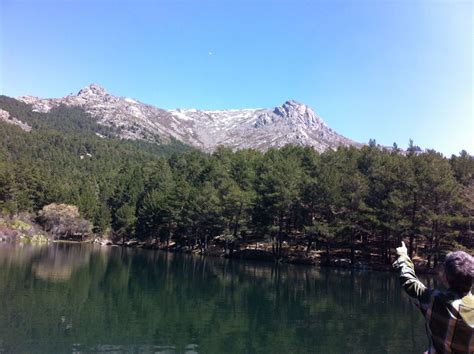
<point>293,103</point>
<point>291,108</point>
<point>294,112</point>
<point>93,90</point>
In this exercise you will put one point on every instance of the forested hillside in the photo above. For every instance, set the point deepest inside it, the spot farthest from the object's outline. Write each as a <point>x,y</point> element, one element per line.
<point>67,157</point>
<point>350,203</point>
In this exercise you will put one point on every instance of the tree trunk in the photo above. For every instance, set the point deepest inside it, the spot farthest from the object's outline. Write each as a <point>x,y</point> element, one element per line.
<point>429,252</point>
<point>237,219</point>
<point>436,245</point>
<point>413,224</point>
<point>168,238</point>
<point>310,241</point>
<point>328,252</point>
<point>352,249</point>
<point>280,234</point>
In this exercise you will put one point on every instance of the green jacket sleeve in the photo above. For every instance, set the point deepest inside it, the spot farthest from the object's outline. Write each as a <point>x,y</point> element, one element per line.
<point>409,281</point>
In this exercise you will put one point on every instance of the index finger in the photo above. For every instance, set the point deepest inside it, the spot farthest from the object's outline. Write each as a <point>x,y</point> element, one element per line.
<point>403,244</point>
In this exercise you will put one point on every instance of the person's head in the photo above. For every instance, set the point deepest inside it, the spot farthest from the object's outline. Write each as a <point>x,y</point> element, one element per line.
<point>459,271</point>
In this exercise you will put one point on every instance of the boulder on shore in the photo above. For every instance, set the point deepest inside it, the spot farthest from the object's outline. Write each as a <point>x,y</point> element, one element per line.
<point>131,243</point>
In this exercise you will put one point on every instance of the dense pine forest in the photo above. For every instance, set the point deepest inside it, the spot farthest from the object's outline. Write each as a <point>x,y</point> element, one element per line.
<point>353,204</point>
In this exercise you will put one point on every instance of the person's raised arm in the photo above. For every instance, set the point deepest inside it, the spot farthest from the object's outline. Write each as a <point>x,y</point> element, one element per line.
<point>408,279</point>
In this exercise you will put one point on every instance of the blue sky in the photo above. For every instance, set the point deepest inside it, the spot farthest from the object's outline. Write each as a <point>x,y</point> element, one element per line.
<point>389,70</point>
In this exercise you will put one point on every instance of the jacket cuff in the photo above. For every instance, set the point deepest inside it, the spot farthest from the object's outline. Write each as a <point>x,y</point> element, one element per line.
<point>402,258</point>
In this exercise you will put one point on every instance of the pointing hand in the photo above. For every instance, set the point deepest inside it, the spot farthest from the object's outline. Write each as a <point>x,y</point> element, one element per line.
<point>402,250</point>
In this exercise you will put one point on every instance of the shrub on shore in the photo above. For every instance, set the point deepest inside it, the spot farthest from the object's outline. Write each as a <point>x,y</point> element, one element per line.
<point>21,227</point>
<point>64,221</point>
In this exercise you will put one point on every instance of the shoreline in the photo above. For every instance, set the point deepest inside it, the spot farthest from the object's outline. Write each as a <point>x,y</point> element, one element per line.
<point>253,254</point>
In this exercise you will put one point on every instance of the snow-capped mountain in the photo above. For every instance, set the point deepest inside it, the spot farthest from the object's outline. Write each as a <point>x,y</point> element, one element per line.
<point>291,123</point>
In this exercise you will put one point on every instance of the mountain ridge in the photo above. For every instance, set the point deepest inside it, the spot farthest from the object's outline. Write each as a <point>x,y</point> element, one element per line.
<point>259,128</point>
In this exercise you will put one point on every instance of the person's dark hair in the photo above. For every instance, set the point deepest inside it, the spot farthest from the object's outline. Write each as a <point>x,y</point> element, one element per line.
<point>459,270</point>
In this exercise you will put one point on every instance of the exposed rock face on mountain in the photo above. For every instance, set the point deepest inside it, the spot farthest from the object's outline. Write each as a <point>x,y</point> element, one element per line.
<point>291,123</point>
<point>6,117</point>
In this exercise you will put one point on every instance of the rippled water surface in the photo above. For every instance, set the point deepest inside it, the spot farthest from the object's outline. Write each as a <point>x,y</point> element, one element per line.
<point>79,298</point>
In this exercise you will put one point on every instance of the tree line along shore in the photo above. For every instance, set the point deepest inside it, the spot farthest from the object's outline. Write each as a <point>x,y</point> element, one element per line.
<point>349,206</point>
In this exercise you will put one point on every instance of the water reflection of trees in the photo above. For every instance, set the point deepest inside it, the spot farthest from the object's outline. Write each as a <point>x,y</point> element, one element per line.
<point>56,263</point>
<point>131,298</point>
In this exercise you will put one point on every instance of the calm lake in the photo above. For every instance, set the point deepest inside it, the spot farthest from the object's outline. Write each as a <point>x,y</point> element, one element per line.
<point>65,298</point>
